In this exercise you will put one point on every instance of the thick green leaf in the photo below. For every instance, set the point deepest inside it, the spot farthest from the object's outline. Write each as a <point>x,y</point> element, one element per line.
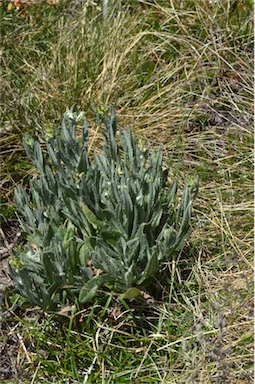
<point>89,290</point>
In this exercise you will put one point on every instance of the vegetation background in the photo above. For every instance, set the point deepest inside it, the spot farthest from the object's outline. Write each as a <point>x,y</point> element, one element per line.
<point>180,74</point>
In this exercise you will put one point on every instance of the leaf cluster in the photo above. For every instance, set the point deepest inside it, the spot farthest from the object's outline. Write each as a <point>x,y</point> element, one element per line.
<point>110,221</point>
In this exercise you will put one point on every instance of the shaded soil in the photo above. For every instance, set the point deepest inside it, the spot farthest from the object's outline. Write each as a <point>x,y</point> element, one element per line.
<point>9,237</point>
<point>9,340</point>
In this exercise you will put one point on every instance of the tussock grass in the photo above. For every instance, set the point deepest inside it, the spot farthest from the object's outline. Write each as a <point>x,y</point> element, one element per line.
<point>179,73</point>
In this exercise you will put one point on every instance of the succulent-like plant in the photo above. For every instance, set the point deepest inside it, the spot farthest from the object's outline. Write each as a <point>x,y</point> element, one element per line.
<point>108,221</point>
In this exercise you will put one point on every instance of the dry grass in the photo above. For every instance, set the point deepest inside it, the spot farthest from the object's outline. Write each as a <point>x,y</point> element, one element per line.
<point>181,75</point>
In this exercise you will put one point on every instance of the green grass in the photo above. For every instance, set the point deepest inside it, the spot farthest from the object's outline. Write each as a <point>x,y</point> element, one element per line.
<point>180,74</point>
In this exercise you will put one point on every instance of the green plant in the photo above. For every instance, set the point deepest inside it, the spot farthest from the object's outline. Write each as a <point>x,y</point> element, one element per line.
<point>116,213</point>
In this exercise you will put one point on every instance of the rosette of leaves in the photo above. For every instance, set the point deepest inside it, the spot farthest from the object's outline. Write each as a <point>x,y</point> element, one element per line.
<point>110,219</point>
